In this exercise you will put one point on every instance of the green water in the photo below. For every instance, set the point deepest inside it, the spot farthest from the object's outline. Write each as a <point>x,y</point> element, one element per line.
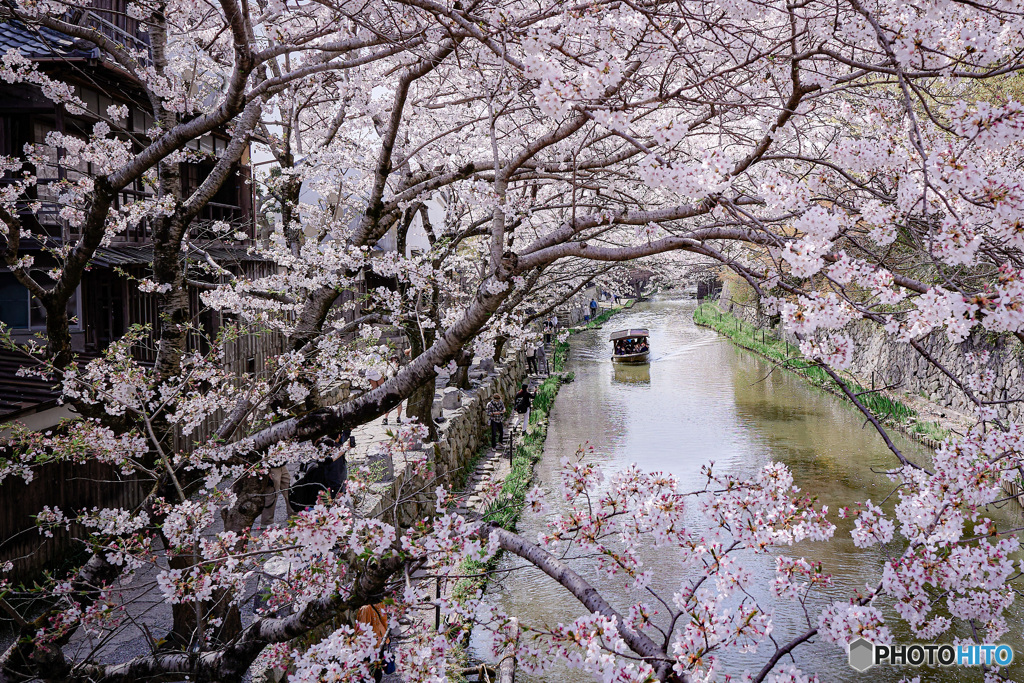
<point>701,400</point>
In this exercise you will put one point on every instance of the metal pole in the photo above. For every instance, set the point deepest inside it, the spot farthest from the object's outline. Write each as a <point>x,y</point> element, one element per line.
<point>437,605</point>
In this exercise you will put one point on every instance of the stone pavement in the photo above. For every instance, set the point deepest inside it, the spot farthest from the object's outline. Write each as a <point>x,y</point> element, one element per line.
<point>490,470</point>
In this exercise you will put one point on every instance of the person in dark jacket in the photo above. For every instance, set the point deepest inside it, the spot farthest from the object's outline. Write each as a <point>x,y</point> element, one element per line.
<point>496,414</point>
<point>309,483</point>
<point>337,466</point>
<point>329,474</point>
<point>523,401</point>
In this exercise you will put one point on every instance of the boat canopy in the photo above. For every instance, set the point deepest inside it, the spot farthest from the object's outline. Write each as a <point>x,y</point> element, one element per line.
<point>629,334</point>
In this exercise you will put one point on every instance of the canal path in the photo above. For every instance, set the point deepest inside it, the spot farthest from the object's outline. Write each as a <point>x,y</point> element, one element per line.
<point>703,400</point>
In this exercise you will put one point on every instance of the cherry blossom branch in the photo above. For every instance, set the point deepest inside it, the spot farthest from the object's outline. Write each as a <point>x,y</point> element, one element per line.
<point>588,596</point>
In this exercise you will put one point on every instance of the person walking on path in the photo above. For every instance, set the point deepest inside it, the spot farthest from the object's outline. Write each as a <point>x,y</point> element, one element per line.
<point>522,403</point>
<point>398,359</point>
<point>279,480</point>
<point>531,359</point>
<point>542,360</point>
<point>496,413</point>
<point>593,309</point>
<point>376,378</point>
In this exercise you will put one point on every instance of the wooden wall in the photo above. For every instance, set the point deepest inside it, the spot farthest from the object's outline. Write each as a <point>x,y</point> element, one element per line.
<point>59,484</point>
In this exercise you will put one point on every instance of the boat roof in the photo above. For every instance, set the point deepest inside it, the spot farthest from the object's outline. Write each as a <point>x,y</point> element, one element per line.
<point>627,334</point>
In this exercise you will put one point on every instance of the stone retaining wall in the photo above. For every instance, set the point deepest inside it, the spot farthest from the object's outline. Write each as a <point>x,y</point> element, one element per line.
<point>899,365</point>
<point>464,431</point>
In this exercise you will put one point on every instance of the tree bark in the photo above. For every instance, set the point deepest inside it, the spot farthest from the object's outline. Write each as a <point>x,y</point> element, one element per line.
<point>588,596</point>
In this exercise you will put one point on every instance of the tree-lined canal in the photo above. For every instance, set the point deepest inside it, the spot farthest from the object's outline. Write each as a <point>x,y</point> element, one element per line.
<point>703,400</point>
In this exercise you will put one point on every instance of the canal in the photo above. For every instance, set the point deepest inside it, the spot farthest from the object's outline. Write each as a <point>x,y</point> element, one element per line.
<point>704,400</point>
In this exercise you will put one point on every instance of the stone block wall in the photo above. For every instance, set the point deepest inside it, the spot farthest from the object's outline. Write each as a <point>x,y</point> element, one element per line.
<point>462,434</point>
<point>902,365</point>
<point>893,363</point>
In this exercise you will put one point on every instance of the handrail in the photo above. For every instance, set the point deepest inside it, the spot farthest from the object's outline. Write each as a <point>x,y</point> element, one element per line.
<point>115,32</point>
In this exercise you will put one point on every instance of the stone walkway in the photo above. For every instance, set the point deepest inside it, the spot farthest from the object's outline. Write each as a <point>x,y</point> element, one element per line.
<point>490,470</point>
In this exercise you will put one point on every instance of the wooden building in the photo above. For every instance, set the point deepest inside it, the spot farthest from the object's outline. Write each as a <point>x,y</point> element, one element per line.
<point>108,301</point>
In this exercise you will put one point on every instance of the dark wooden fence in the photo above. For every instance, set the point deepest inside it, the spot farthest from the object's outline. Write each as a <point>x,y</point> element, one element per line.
<point>64,485</point>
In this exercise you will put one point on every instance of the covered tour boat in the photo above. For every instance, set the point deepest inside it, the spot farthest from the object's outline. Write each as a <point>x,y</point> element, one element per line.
<point>630,346</point>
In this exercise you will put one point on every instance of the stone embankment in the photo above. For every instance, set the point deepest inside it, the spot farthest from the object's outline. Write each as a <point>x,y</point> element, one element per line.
<point>404,493</point>
<point>908,372</point>
<point>904,373</point>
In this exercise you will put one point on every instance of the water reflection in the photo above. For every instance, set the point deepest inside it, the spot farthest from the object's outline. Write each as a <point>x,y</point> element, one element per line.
<point>631,374</point>
<point>703,400</point>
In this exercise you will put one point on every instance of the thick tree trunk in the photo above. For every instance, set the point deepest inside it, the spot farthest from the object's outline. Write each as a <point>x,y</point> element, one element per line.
<point>499,346</point>
<point>58,332</point>
<point>420,405</point>
<point>171,326</point>
<point>421,401</point>
<point>293,229</point>
<point>173,314</point>
<point>460,378</point>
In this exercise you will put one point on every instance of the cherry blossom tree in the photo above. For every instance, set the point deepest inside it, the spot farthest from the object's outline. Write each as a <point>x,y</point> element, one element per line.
<point>850,161</point>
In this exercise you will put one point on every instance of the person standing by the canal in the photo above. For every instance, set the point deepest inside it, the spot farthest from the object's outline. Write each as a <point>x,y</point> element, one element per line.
<point>496,413</point>
<point>531,358</point>
<point>593,309</point>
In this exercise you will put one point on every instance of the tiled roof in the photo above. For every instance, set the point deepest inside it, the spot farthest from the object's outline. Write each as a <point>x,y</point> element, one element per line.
<point>125,255</point>
<point>20,393</point>
<point>42,43</point>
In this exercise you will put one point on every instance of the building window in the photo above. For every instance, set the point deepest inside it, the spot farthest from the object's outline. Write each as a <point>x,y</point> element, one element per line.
<point>20,311</point>
<point>13,302</point>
